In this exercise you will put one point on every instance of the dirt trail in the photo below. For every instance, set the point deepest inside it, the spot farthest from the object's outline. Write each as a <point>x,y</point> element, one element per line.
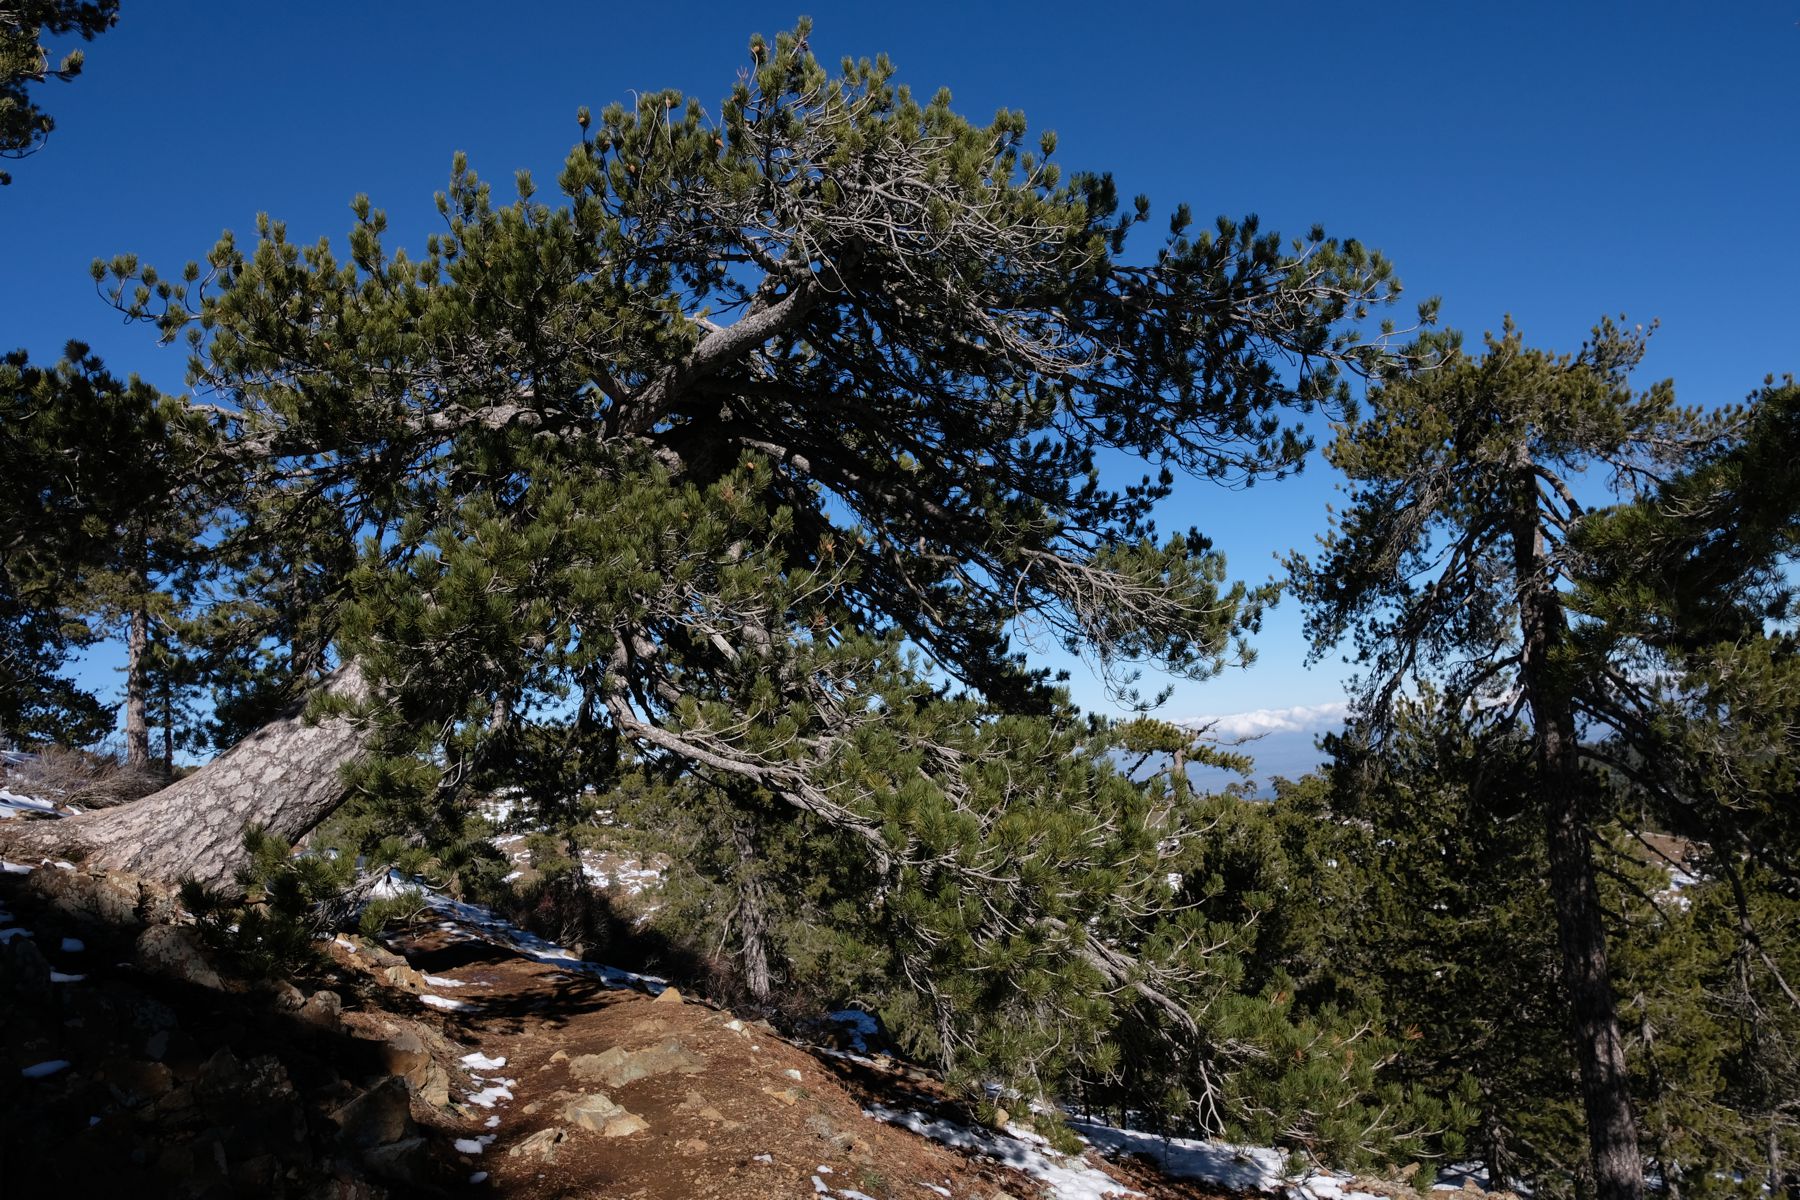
<point>722,1108</point>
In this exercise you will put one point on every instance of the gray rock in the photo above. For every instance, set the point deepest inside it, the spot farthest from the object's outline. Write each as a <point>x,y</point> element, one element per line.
<point>540,1145</point>
<point>600,1113</point>
<point>405,1161</point>
<point>174,952</point>
<point>25,972</point>
<point>324,1009</point>
<point>618,1067</point>
<point>408,1049</point>
<point>379,1116</point>
<point>90,897</point>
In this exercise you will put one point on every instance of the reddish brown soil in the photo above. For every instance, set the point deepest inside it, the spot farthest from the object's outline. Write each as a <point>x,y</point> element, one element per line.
<point>739,1127</point>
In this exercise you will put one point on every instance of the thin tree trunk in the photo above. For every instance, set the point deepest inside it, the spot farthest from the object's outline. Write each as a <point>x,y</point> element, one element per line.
<point>166,695</point>
<point>752,917</point>
<point>1580,925</point>
<point>137,656</point>
<point>283,778</point>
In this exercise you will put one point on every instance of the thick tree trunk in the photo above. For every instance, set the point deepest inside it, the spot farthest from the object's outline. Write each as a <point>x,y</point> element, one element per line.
<point>283,778</point>
<point>137,722</point>
<point>1580,924</point>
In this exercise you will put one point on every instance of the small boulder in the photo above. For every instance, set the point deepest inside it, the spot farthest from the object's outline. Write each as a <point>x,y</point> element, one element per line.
<point>600,1113</point>
<point>175,952</point>
<point>540,1146</point>
<point>381,1115</point>
<point>617,1067</point>
<point>669,995</point>
<point>93,898</point>
<point>134,1082</point>
<point>404,1162</point>
<point>323,1009</point>
<point>408,1049</point>
<point>25,972</point>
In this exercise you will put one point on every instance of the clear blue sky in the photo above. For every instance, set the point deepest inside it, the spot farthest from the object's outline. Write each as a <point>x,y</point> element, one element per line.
<point>1553,160</point>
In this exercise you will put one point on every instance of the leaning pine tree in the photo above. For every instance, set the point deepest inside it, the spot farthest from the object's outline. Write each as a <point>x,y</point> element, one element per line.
<point>706,471</point>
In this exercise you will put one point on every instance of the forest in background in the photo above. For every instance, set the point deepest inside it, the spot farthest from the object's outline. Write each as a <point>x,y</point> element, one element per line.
<point>696,508</point>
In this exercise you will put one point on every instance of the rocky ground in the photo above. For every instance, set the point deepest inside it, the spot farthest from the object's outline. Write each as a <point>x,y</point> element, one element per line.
<point>449,1064</point>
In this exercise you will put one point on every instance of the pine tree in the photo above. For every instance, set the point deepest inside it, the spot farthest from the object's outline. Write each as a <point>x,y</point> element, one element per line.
<point>910,339</point>
<point>1693,582</point>
<point>726,477</point>
<point>1453,560</point>
<point>24,126</point>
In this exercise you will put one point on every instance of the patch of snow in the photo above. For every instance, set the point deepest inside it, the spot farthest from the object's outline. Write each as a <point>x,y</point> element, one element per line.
<point>479,1061</point>
<point>942,1191</point>
<point>853,1194</point>
<point>478,1177</point>
<point>73,945</point>
<point>491,1123</point>
<point>59,977</point>
<point>1067,1178</point>
<point>43,1069</point>
<point>474,920</point>
<point>474,1145</point>
<point>13,868</point>
<point>794,1075</point>
<point>822,1169</point>
<point>1244,1168</point>
<point>444,1002</point>
<point>11,932</point>
<point>819,1187</point>
<point>764,1158</point>
<point>627,874</point>
<point>14,805</point>
<point>440,981</point>
<point>488,1096</point>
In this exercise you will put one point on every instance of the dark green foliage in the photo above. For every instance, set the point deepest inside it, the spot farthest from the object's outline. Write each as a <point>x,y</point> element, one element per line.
<point>97,520</point>
<point>24,126</point>
<point>267,931</point>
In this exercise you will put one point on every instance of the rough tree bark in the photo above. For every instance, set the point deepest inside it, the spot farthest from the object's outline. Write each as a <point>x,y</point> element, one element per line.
<point>285,777</point>
<point>137,725</point>
<point>752,917</point>
<point>1580,925</point>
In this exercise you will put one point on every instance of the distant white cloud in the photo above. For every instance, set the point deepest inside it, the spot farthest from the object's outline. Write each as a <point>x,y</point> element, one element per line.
<point>1299,719</point>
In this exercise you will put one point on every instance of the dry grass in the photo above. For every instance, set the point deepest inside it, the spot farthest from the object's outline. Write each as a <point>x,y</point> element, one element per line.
<point>82,778</point>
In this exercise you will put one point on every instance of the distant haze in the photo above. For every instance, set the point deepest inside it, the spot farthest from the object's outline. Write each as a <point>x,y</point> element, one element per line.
<point>1283,741</point>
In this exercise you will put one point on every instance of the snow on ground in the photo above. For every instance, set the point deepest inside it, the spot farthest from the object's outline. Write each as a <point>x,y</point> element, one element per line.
<point>495,1091</point>
<point>1220,1164</point>
<point>481,1062</point>
<point>444,1002</point>
<point>14,805</point>
<point>1067,1178</point>
<point>44,1069</point>
<point>1247,1168</point>
<point>13,868</point>
<point>472,920</point>
<point>441,981</point>
<point>626,874</point>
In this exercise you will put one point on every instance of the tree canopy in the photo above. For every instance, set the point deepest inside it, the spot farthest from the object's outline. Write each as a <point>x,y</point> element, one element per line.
<point>24,125</point>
